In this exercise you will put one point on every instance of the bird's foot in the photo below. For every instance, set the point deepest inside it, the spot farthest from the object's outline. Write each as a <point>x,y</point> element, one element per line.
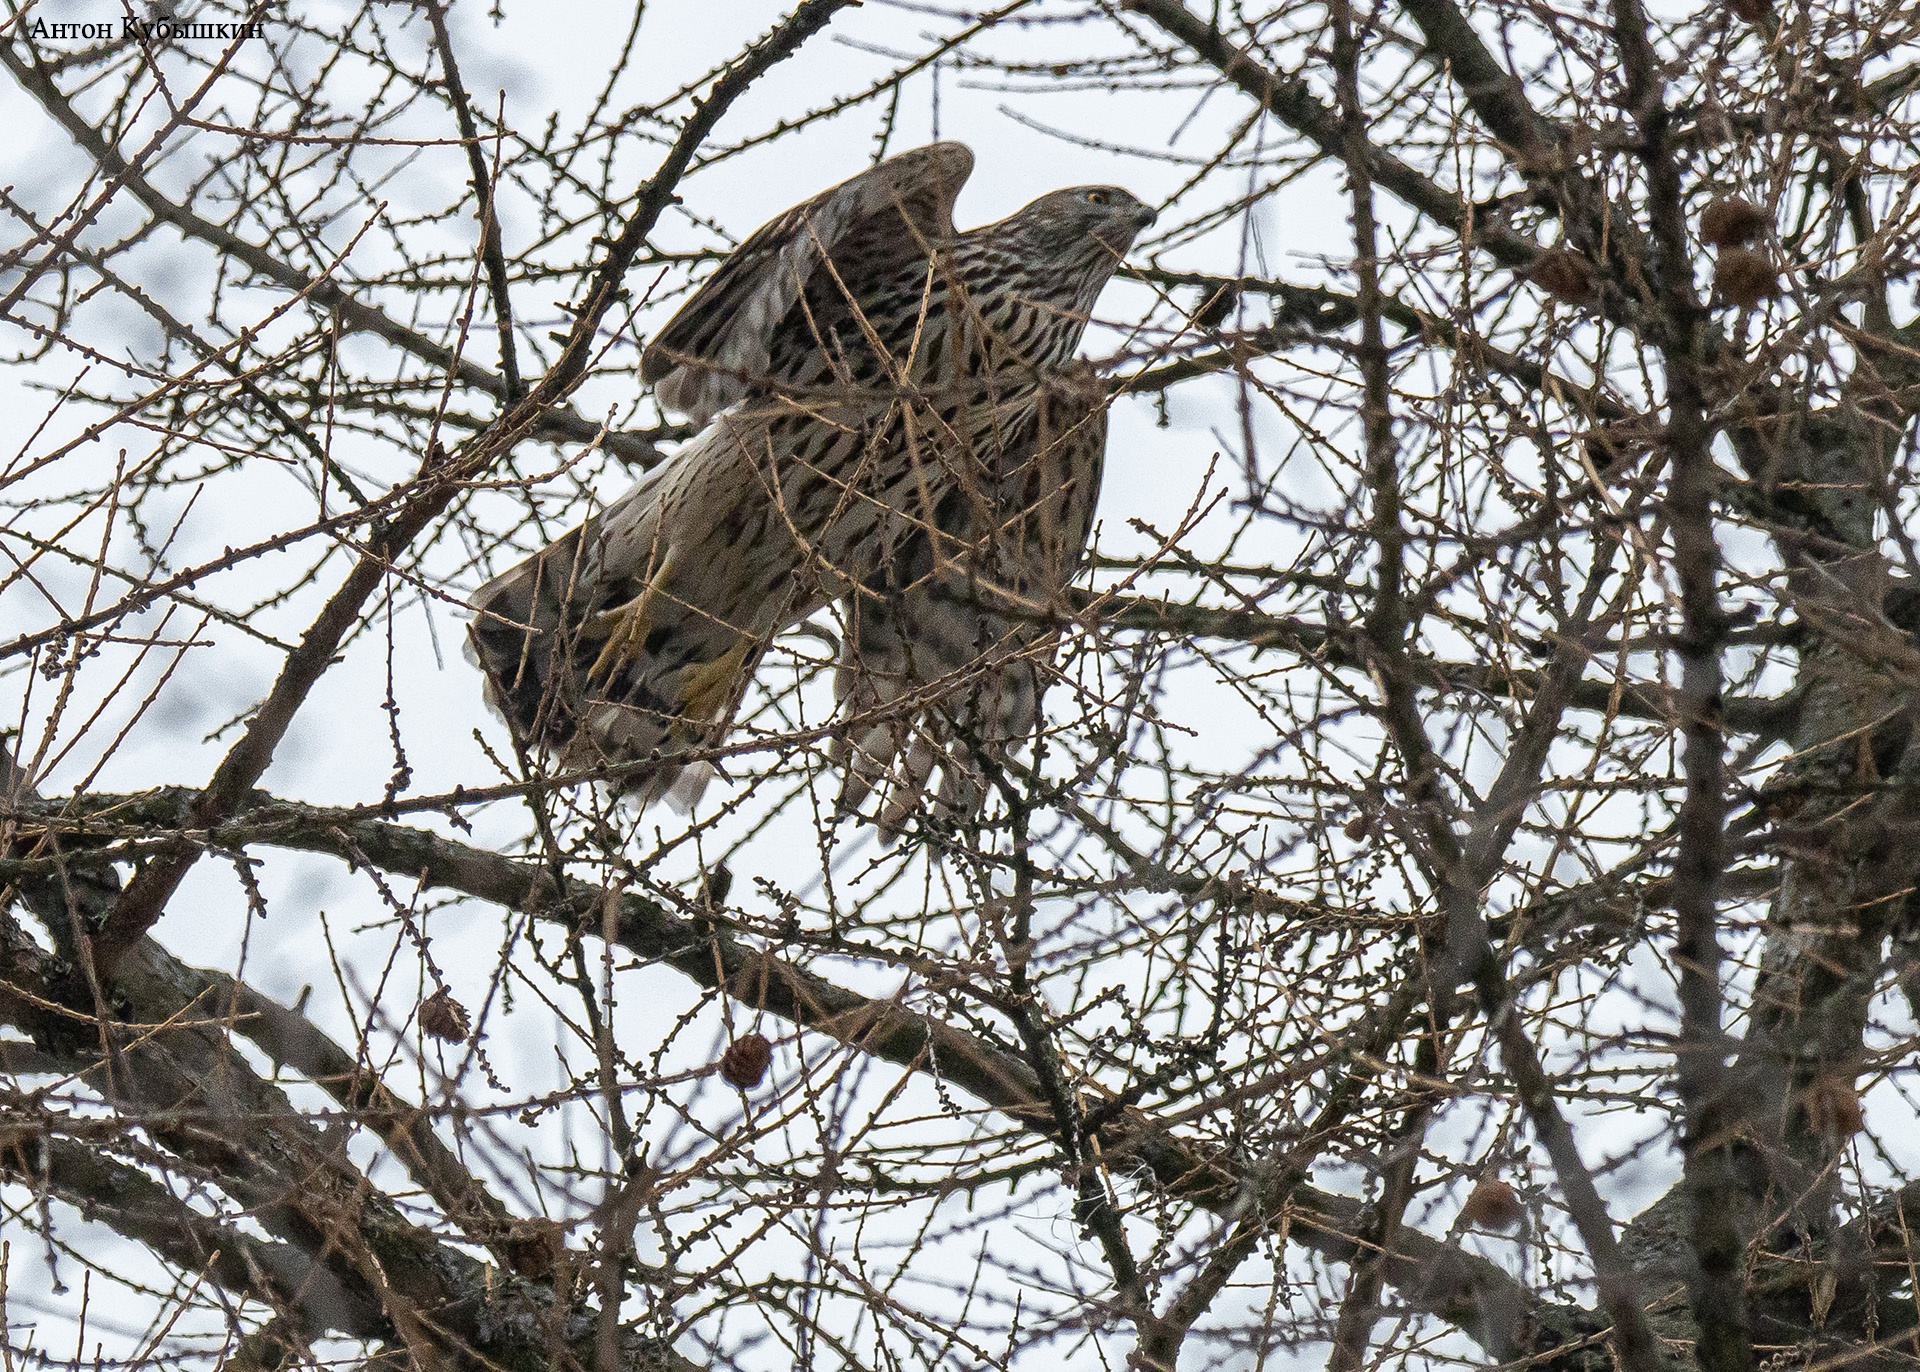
<point>626,626</point>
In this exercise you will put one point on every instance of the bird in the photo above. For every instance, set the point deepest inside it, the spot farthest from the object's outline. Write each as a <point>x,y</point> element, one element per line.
<point>891,419</point>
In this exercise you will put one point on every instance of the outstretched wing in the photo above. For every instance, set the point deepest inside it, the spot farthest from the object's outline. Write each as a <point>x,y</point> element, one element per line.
<point>771,301</point>
<point>629,641</point>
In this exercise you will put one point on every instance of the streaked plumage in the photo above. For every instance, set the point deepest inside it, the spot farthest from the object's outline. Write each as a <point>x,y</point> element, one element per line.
<point>963,620</point>
<point>893,416</point>
<point>741,334</point>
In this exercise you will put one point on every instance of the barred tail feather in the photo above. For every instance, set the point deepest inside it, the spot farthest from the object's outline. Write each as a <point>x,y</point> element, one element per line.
<point>943,662</point>
<point>519,623</point>
<point>925,686</point>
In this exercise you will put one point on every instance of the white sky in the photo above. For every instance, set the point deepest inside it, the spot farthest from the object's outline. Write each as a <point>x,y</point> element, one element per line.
<point>546,60</point>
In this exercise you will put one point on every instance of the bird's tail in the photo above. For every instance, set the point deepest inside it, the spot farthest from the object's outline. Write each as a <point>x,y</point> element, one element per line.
<point>926,682</point>
<point>948,648</point>
<point>597,671</point>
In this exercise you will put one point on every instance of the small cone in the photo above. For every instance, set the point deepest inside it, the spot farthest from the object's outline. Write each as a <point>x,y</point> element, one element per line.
<point>1731,221</point>
<point>1492,1204</point>
<point>744,1064</point>
<point>1833,1108</point>
<point>533,1247</point>
<point>444,1017</point>
<point>1564,275</point>
<point>1745,277</point>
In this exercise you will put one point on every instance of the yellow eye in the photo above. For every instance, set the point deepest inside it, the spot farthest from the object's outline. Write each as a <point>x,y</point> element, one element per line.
<point>1097,197</point>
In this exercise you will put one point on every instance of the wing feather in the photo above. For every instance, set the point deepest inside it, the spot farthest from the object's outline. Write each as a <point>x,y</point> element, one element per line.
<point>711,354</point>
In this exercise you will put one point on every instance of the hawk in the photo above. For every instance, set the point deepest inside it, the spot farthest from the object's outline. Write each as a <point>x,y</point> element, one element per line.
<point>893,420</point>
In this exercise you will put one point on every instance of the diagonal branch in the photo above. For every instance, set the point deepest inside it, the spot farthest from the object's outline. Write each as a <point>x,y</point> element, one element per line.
<point>491,251</point>
<point>1494,93</point>
<point>558,422</point>
<point>133,1203</point>
<point>170,1065</point>
<point>1290,100</point>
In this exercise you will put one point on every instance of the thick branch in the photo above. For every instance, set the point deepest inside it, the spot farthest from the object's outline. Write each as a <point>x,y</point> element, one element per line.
<point>1716,1281</point>
<point>1293,103</point>
<point>1474,1294</point>
<point>134,1204</point>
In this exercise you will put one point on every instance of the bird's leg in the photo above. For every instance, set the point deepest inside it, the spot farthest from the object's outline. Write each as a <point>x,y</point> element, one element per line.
<point>707,693</point>
<point>627,626</point>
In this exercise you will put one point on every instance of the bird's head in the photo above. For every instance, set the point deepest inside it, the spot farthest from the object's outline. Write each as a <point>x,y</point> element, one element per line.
<point>1057,254</point>
<point>1102,221</point>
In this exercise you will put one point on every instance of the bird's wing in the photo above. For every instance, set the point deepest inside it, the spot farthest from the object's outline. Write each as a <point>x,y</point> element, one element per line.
<point>712,352</point>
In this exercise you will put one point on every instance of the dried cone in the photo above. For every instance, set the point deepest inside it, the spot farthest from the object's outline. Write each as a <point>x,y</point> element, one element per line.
<point>1564,275</point>
<point>444,1017</point>
<point>1745,277</point>
<point>1731,221</point>
<point>744,1064</point>
<point>1358,827</point>
<point>534,1246</point>
<point>1492,1204</point>
<point>1833,1108</point>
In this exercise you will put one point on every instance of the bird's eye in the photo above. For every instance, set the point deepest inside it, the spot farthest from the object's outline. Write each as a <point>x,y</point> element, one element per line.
<point>1097,197</point>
